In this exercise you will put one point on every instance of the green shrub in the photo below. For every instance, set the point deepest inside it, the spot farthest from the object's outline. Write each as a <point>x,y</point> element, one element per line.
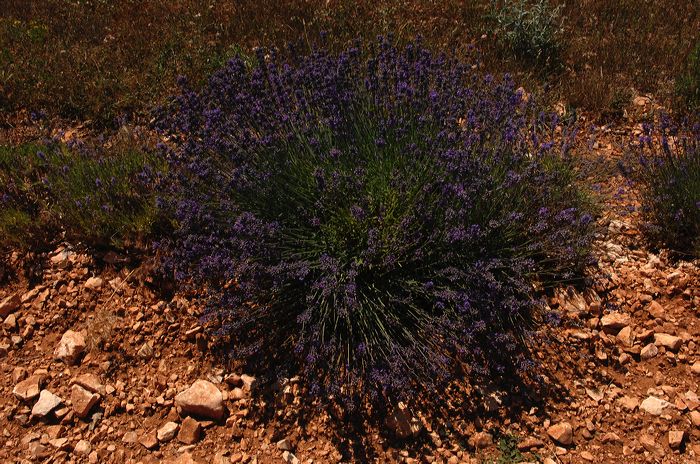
<point>531,30</point>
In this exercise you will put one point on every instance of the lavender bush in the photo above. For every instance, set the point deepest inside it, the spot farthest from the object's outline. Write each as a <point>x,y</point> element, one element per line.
<point>670,176</point>
<point>84,192</point>
<point>373,220</point>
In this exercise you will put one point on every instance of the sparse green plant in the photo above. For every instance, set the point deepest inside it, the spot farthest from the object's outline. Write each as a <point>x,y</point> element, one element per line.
<point>508,452</point>
<point>508,449</point>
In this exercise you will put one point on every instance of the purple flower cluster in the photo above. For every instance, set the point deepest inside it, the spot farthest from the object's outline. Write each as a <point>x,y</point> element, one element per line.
<point>99,196</point>
<point>669,170</point>
<point>373,220</point>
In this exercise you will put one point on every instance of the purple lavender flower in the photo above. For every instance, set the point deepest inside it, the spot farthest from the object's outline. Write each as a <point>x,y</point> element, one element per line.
<point>372,219</point>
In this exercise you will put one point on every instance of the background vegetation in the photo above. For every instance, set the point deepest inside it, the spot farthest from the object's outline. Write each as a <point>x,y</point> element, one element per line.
<point>97,59</point>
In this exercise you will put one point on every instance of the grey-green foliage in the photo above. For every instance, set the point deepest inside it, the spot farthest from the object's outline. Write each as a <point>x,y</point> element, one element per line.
<point>531,29</point>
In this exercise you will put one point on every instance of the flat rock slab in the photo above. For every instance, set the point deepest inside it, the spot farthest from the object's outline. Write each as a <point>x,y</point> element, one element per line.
<point>203,399</point>
<point>83,400</point>
<point>28,389</point>
<point>654,405</point>
<point>615,321</point>
<point>9,305</point>
<point>71,346</point>
<point>47,403</point>
<point>670,342</point>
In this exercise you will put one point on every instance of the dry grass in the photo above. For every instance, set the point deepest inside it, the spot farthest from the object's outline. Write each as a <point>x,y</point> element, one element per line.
<point>100,329</point>
<point>99,59</point>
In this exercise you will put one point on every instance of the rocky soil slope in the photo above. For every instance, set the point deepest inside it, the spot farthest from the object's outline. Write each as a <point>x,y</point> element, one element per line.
<point>96,368</point>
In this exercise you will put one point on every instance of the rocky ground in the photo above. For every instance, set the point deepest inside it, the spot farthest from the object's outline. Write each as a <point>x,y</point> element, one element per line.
<point>96,367</point>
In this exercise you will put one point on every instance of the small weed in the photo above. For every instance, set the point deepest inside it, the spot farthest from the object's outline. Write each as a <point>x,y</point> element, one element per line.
<point>508,452</point>
<point>100,330</point>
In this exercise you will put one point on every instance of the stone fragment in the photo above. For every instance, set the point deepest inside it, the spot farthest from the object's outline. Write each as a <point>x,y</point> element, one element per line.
<point>401,422</point>
<point>695,418</point>
<point>31,294</point>
<point>61,258</point>
<point>90,382</point>
<point>530,443</point>
<point>201,399</point>
<point>656,310</point>
<point>248,381</point>
<point>289,458</point>
<point>37,450</point>
<point>167,432</point>
<point>284,445</point>
<point>481,440</point>
<point>675,438</point>
<point>626,337</point>
<point>93,283</point>
<point>611,437</point>
<point>595,394</point>
<point>130,438</point>
<point>654,406</point>
<point>82,448</point>
<point>237,394</point>
<point>221,457</point>
<point>234,380</point>
<point>83,400</point>
<point>4,348</point>
<point>190,431</point>
<point>149,440</point>
<point>146,351</point>
<point>9,305</point>
<point>561,433</point>
<point>671,342</point>
<point>10,322</point>
<point>18,374</point>
<point>71,346</point>
<point>28,389</point>
<point>55,431</point>
<point>59,443</point>
<point>648,352</point>
<point>587,455</point>
<point>691,400</point>
<point>649,444</point>
<point>47,403</point>
<point>695,368</point>
<point>628,403</point>
<point>614,321</point>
